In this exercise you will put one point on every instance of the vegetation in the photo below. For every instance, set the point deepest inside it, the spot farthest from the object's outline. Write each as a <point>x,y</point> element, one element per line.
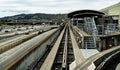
<point>37,16</point>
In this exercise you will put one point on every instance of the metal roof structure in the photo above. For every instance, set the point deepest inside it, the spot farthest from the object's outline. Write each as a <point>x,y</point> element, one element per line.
<point>111,10</point>
<point>84,13</point>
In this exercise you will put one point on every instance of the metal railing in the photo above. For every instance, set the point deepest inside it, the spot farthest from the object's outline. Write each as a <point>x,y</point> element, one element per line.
<point>108,29</point>
<point>90,28</point>
<point>102,29</point>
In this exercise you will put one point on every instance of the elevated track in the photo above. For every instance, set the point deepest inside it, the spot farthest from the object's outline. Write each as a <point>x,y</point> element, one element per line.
<point>55,49</point>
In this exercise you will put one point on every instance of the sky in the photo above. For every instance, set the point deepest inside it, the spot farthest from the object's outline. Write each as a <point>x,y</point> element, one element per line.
<point>14,7</point>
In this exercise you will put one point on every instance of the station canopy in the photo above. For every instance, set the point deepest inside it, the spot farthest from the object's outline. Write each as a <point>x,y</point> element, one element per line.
<point>85,13</point>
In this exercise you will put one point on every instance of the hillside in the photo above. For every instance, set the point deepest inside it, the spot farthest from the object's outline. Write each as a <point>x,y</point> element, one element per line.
<point>37,16</point>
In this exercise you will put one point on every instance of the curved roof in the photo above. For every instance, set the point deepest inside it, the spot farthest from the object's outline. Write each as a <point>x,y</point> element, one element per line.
<point>85,13</point>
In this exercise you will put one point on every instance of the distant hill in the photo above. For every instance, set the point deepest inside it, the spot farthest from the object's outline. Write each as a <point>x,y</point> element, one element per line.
<point>37,16</point>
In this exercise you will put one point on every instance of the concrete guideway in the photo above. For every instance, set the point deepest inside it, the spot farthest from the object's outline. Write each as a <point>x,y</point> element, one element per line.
<point>77,53</point>
<point>47,65</point>
<point>53,61</point>
<point>65,52</point>
<point>12,43</point>
<point>6,59</point>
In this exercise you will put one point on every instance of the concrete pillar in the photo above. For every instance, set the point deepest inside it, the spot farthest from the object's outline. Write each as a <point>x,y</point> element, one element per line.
<point>104,44</point>
<point>77,23</point>
<point>119,22</point>
<point>103,31</point>
<point>72,22</point>
<point>115,41</point>
<point>82,38</point>
<point>100,46</point>
<point>118,37</point>
<point>101,21</point>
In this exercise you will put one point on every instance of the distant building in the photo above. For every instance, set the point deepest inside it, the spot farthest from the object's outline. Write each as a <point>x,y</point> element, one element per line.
<point>112,14</point>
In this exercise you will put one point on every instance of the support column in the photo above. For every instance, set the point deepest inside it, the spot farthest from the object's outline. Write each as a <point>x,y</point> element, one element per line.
<point>77,22</point>
<point>119,22</point>
<point>103,31</point>
<point>83,42</point>
<point>72,21</point>
<point>118,40</point>
<point>100,46</point>
<point>104,44</point>
<point>115,41</point>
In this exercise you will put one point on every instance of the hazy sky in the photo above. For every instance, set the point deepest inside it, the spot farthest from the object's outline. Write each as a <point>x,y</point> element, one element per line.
<point>13,7</point>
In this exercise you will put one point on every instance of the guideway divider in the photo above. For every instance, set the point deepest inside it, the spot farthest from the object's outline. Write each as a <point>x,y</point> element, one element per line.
<point>47,65</point>
<point>25,53</point>
<point>77,53</point>
<point>64,62</point>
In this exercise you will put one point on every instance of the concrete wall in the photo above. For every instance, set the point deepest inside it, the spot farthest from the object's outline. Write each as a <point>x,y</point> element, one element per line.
<point>29,60</point>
